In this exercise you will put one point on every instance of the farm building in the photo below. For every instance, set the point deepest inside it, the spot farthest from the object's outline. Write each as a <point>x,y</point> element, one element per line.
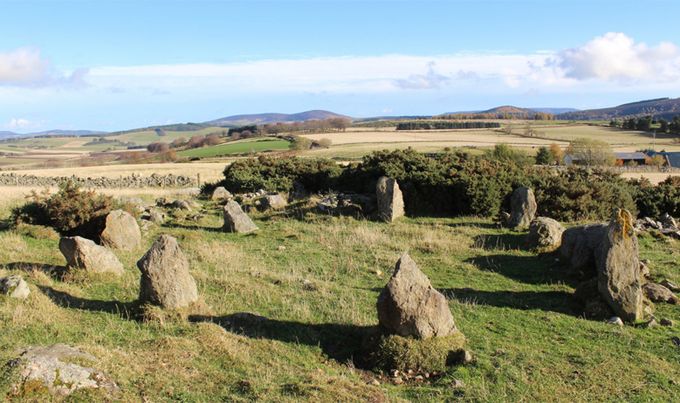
<point>621,158</point>
<point>672,158</point>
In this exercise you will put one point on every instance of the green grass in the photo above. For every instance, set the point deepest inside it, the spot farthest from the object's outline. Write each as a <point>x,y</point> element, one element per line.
<point>514,307</point>
<point>237,147</point>
<point>145,137</point>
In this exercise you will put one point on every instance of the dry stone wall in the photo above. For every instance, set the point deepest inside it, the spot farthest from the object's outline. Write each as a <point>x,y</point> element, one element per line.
<point>132,181</point>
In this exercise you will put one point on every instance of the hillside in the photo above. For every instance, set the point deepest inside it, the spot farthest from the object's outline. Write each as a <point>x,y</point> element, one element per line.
<point>262,118</point>
<point>500,112</point>
<point>659,108</point>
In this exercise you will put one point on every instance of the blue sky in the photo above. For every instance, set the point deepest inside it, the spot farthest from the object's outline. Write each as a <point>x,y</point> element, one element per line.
<point>125,64</point>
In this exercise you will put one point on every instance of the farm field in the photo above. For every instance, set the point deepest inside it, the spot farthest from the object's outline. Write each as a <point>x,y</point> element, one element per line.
<point>313,283</point>
<point>145,137</point>
<point>237,147</point>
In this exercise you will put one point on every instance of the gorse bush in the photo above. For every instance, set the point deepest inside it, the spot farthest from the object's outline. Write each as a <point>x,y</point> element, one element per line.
<point>457,183</point>
<point>653,201</point>
<point>65,211</point>
<point>280,174</point>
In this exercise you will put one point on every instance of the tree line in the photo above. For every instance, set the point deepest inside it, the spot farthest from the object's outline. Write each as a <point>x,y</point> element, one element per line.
<point>647,123</point>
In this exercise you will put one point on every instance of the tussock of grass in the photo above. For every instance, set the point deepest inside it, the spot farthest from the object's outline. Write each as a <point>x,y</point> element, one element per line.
<point>430,355</point>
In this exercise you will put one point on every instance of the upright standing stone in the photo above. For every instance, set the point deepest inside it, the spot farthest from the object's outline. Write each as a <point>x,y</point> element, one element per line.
<point>83,253</point>
<point>618,268</point>
<point>121,231</point>
<point>581,244</point>
<point>166,280</point>
<point>390,199</point>
<point>408,306</point>
<point>523,206</point>
<point>235,220</point>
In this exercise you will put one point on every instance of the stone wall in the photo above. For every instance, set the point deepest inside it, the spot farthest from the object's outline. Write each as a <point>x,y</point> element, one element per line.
<point>132,181</point>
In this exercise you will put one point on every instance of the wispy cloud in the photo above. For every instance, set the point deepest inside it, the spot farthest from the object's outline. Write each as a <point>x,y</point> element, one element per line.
<point>608,59</point>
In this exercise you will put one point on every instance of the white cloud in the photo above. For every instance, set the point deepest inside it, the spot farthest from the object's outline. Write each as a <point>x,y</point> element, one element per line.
<point>615,56</point>
<point>429,80</point>
<point>26,67</point>
<point>19,124</point>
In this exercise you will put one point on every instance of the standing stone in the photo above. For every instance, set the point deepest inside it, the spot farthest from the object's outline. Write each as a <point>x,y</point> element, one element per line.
<point>156,216</point>
<point>221,193</point>
<point>120,231</point>
<point>618,268</point>
<point>545,232</point>
<point>14,286</point>
<point>235,220</point>
<point>166,280</point>
<point>83,253</point>
<point>408,306</point>
<point>523,207</point>
<point>59,369</point>
<point>581,244</point>
<point>273,202</point>
<point>390,199</point>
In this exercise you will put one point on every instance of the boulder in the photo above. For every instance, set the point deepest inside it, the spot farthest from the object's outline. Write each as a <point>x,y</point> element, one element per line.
<point>658,293</point>
<point>221,193</point>
<point>580,245</point>
<point>181,205</point>
<point>669,222</point>
<point>85,254</point>
<point>523,207</point>
<point>156,216</point>
<point>408,306</point>
<point>235,220</point>
<point>14,286</point>
<point>544,233</point>
<point>166,280</point>
<point>59,370</point>
<point>390,199</point>
<point>618,268</point>
<point>120,231</point>
<point>273,201</point>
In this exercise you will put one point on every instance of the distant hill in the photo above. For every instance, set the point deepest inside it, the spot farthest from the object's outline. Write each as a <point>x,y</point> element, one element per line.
<point>8,135</point>
<point>659,108</point>
<point>262,118</point>
<point>505,112</point>
<point>554,111</point>
<point>66,133</point>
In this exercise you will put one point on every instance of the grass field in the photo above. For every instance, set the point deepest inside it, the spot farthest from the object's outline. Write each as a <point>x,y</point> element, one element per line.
<point>249,146</point>
<point>145,137</point>
<point>316,281</point>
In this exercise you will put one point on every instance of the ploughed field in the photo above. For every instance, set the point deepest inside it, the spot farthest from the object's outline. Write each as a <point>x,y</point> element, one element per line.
<point>316,279</point>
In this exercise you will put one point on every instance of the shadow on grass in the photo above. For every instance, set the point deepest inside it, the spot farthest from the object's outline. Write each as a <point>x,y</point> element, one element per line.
<point>541,269</point>
<point>554,301</point>
<point>192,227</point>
<point>338,341</point>
<point>500,241</point>
<point>126,310</point>
<point>55,272</point>
<point>474,224</point>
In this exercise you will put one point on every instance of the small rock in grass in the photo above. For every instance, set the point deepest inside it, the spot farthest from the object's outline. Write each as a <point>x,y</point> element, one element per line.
<point>615,320</point>
<point>666,322</point>
<point>670,285</point>
<point>14,286</point>
<point>457,384</point>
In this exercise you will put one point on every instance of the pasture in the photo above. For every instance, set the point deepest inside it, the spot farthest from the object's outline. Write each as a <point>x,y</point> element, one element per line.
<point>315,280</point>
<point>249,146</point>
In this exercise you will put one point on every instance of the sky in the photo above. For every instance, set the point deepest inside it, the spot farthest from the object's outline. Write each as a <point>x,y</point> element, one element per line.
<point>115,65</point>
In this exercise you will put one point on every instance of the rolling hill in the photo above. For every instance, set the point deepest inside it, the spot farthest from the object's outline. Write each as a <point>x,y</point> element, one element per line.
<point>262,118</point>
<point>658,108</point>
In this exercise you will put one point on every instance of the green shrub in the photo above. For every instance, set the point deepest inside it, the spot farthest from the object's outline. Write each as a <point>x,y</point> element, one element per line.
<point>456,183</point>
<point>279,174</point>
<point>653,201</point>
<point>65,211</point>
<point>581,194</point>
